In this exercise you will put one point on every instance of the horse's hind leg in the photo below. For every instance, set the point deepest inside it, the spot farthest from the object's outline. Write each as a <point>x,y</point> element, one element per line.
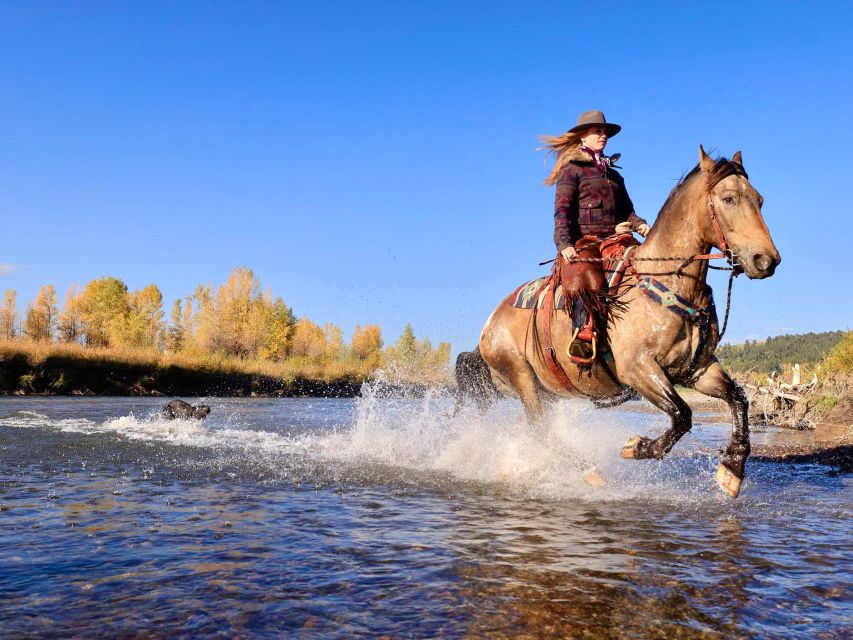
<point>657,389</point>
<point>716,383</point>
<point>473,380</point>
<point>521,378</point>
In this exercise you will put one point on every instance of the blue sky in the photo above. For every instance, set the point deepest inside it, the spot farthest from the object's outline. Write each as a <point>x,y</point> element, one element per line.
<point>378,164</point>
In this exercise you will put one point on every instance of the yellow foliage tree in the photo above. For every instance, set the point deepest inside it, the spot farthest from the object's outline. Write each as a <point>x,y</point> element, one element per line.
<point>334,339</point>
<point>235,314</point>
<point>70,326</point>
<point>200,326</point>
<point>233,320</point>
<point>103,307</point>
<point>141,326</point>
<point>8,315</point>
<point>279,321</point>
<point>175,333</point>
<point>238,320</point>
<point>415,360</point>
<point>366,344</point>
<point>309,341</point>
<point>40,322</point>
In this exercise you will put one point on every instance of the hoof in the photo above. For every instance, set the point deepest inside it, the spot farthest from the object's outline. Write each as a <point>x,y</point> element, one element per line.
<point>728,481</point>
<point>594,478</point>
<point>631,449</point>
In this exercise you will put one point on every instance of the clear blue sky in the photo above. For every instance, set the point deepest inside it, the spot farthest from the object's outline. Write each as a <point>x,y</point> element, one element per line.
<point>374,163</point>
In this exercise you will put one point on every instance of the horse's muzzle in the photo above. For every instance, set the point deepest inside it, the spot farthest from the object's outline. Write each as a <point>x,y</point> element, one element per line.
<point>763,265</point>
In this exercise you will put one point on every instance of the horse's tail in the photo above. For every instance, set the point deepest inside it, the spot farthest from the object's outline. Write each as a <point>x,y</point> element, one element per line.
<point>473,380</point>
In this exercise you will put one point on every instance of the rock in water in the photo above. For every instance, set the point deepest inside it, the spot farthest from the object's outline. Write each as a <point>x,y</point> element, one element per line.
<point>184,410</point>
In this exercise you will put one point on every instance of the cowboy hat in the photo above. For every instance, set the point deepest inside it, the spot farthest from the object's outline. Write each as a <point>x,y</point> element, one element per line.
<point>595,118</point>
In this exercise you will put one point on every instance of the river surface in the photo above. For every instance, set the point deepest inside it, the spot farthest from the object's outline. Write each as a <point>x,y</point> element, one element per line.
<point>380,517</point>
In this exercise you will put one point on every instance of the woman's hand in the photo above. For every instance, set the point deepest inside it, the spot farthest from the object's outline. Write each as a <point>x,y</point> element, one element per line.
<point>643,229</point>
<point>569,254</point>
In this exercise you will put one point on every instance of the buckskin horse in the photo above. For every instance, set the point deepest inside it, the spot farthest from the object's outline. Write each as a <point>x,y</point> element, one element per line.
<point>666,329</point>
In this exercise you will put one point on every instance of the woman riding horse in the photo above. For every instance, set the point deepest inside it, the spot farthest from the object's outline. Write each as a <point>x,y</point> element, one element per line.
<point>590,202</point>
<point>666,330</point>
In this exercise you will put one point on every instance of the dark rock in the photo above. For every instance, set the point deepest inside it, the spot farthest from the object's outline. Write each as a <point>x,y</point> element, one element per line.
<point>184,410</point>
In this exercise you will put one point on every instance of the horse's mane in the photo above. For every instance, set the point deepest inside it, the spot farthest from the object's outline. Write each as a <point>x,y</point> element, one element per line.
<point>723,168</point>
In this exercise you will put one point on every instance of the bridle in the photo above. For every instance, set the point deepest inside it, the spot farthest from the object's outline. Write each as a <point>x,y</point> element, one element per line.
<point>725,250</point>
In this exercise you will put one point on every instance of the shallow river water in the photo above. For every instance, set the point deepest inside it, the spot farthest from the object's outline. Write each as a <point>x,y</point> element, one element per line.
<point>384,517</point>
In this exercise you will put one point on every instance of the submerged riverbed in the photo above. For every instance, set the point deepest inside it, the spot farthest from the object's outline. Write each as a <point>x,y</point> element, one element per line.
<point>375,516</point>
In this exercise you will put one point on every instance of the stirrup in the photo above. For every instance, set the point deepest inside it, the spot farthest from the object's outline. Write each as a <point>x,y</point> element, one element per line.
<point>580,354</point>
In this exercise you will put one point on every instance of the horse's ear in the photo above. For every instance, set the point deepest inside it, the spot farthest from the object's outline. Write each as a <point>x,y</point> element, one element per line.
<point>737,158</point>
<point>705,161</point>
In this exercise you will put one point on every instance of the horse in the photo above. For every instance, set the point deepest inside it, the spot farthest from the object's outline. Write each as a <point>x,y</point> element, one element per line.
<point>666,329</point>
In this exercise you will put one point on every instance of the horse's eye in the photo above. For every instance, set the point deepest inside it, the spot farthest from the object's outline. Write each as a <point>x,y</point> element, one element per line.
<point>729,200</point>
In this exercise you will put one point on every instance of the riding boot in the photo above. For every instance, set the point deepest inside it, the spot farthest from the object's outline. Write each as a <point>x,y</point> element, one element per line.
<point>587,331</point>
<point>580,316</point>
<point>582,281</point>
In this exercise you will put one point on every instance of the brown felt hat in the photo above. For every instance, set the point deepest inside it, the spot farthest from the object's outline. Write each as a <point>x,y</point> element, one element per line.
<point>595,118</point>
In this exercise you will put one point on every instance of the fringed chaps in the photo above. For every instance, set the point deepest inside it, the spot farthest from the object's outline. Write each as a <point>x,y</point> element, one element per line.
<point>584,289</point>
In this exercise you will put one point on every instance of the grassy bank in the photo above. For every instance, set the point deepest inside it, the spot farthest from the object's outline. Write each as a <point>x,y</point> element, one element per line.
<point>34,368</point>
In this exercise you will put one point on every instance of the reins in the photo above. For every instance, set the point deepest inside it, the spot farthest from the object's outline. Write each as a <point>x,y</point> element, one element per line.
<point>725,252</point>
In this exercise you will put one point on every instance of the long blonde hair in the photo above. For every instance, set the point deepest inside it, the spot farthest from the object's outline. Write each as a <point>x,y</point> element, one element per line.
<point>560,146</point>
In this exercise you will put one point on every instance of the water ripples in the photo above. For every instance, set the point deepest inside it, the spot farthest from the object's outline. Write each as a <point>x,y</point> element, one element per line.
<point>337,518</point>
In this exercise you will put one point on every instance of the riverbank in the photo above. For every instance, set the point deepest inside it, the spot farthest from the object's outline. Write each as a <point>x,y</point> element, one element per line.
<point>57,373</point>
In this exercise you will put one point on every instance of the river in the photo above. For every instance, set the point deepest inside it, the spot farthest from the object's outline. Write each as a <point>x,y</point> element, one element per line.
<point>376,516</point>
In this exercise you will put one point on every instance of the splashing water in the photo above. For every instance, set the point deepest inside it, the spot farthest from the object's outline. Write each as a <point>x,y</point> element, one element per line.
<point>388,438</point>
<point>385,515</point>
<point>499,447</point>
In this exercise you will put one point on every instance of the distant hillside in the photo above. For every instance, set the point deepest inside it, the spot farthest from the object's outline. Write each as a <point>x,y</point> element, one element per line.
<point>771,354</point>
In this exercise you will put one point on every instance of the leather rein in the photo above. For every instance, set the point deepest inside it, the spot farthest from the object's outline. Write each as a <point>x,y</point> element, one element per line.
<point>725,251</point>
<point>702,315</point>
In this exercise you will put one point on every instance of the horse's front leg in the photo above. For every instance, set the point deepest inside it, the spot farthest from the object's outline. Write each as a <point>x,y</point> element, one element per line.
<point>716,383</point>
<point>650,381</point>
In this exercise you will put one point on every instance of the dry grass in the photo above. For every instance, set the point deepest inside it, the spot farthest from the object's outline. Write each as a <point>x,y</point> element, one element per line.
<point>38,352</point>
<point>289,369</point>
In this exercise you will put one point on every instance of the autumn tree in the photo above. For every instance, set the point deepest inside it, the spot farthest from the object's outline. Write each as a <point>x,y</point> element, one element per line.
<point>441,354</point>
<point>238,320</point>
<point>405,350</point>
<point>309,341</point>
<point>334,339</point>
<point>280,322</point>
<point>103,307</point>
<point>175,332</point>
<point>200,321</point>
<point>366,344</point>
<point>8,315</point>
<point>70,324</point>
<point>416,360</point>
<point>40,322</point>
<point>141,325</point>
<point>232,307</point>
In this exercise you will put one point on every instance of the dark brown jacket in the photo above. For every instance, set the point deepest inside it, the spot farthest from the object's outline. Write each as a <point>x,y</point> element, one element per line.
<point>588,203</point>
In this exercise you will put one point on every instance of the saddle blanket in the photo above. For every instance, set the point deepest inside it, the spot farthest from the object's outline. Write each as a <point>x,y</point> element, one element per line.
<point>525,296</point>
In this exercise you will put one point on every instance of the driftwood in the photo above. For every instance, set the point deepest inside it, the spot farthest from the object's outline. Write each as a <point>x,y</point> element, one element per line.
<point>773,392</point>
<point>781,404</point>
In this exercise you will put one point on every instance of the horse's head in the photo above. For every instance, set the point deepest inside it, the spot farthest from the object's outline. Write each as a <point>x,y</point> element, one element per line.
<point>737,207</point>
